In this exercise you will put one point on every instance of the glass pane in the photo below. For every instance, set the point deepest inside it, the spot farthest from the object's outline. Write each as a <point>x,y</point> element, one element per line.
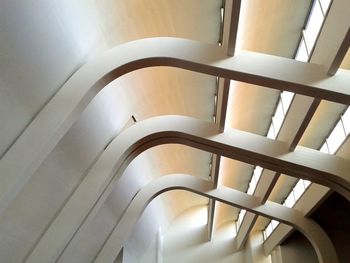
<point>271,133</point>
<point>324,148</point>
<point>241,216</point>
<point>254,179</point>
<point>251,188</point>
<point>257,173</point>
<point>346,121</point>
<point>286,98</point>
<point>278,118</point>
<point>336,138</point>
<point>268,230</point>
<point>302,52</point>
<point>306,183</point>
<point>274,224</point>
<point>314,25</point>
<point>325,5</point>
<point>289,202</point>
<point>298,190</point>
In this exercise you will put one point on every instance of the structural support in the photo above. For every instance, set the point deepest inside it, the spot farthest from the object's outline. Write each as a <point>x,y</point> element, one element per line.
<point>340,54</point>
<point>212,202</point>
<point>316,235</point>
<point>230,29</point>
<point>306,205</point>
<point>223,92</point>
<point>263,189</point>
<point>84,203</point>
<point>336,42</point>
<point>41,136</point>
<point>306,121</point>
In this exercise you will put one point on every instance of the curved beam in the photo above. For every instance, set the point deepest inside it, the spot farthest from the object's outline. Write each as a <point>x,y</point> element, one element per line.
<point>40,137</point>
<point>99,182</point>
<point>314,233</point>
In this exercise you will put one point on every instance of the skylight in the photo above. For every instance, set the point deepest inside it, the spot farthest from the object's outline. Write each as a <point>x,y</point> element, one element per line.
<point>302,53</point>
<point>325,5</point>
<point>346,121</point>
<point>314,24</point>
<point>331,145</point>
<point>336,138</point>
<point>240,217</point>
<point>251,189</point>
<point>341,130</point>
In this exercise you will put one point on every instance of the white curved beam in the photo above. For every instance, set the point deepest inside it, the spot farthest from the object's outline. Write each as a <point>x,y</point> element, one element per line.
<point>313,232</point>
<point>40,137</point>
<point>99,182</point>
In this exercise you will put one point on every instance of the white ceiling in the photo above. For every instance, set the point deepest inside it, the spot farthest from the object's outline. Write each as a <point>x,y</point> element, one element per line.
<point>43,42</point>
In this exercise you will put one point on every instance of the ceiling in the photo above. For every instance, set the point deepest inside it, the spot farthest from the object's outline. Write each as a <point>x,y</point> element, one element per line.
<point>42,43</point>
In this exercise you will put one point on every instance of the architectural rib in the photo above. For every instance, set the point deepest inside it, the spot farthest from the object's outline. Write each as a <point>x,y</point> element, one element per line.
<point>99,182</point>
<point>43,133</point>
<point>316,235</point>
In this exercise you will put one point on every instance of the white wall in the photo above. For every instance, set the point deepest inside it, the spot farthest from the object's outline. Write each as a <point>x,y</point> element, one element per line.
<point>48,189</point>
<point>186,240</point>
<point>41,44</point>
<point>88,241</point>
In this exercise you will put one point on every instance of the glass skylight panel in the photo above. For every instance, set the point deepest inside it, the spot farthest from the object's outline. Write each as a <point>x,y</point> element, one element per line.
<point>240,217</point>
<point>296,192</point>
<point>254,180</point>
<point>271,132</point>
<point>302,54</point>
<point>268,230</point>
<point>279,110</point>
<point>251,187</point>
<point>290,201</point>
<point>325,4</point>
<point>346,121</point>
<point>257,173</point>
<point>314,25</point>
<point>306,183</point>
<point>286,98</point>
<point>274,223</point>
<point>324,148</point>
<point>336,138</point>
<point>298,189</point>
<point>278,117</point>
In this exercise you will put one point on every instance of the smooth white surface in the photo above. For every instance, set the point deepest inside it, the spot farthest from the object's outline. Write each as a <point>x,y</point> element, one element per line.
<point>57,117</point>
<point>318,238</point>
<point>101,179</point>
